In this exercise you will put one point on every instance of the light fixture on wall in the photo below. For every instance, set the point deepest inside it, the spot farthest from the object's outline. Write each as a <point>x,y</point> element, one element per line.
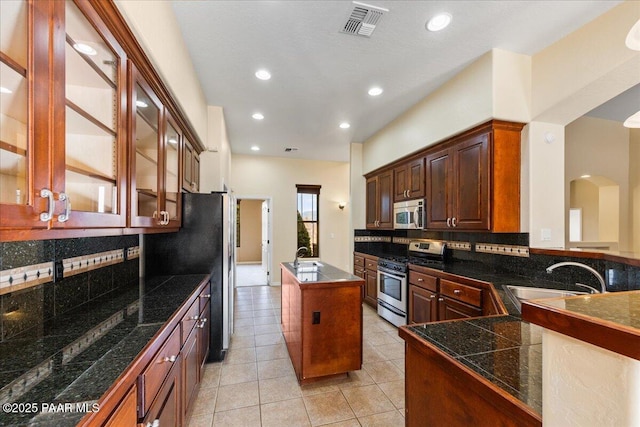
<point>633,38</point>
<point>633,121</point>
<point>341,205</point>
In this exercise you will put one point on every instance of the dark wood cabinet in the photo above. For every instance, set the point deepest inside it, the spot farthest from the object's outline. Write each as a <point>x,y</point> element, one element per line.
<point>166,409</point>
<point>190,168</point>
<point>457,186</point>
<point>409,180</point>
<point>366,267</point>
<point>322,326</point>
<point>433,298</point>
<point>473,180</point>
<point>126,413</point>
<point>379,204</point>
<point>190,369</point>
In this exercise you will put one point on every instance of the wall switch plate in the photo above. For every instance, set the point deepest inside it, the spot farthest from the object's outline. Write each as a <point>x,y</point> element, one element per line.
<point>545,234</point>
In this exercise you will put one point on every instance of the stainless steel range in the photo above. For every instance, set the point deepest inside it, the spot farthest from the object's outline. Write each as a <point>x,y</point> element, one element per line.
<point>393,272</point>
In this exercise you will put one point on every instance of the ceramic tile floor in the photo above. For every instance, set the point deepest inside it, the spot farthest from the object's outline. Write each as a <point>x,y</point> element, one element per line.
<point>255,386</point>
<point>250,275</point>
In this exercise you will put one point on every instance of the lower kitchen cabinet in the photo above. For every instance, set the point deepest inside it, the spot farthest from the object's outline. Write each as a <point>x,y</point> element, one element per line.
<point>126,413</point>
<point>166,407</point>
<point>423,305</point>
<point>366,267</point>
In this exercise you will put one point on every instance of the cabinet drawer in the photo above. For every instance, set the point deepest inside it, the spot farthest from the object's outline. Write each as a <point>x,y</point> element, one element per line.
<point>464,293</point>
<point>205,296</point>
<point>423,280</point>
<point>358,260</point>
<point>371,265</point>
<point>153,376</point>
<point>189,320</point>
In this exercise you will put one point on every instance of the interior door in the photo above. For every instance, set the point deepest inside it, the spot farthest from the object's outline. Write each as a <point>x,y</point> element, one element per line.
<point>265,240</point>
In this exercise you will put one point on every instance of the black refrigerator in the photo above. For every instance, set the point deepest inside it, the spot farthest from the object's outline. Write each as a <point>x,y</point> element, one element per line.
<point>204,245</point>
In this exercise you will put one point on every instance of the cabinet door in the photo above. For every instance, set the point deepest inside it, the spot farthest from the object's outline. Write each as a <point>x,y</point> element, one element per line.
<point>371,288</point>
<point>438,191</point>
<point>423,305</point>
<point>372,202</point>
<point>125,414</point>
<point>471,184</point>
<point>204,337</point>
<point>385,197</point>
<point>89,167</point>
<point>416,182</point>
<point>187,166</point>
<point>400,183</point>
<point>170,200</point>
<point>449,309</point>
<point>190,369</point>
<point>24,112</point>
<point>166,407</point>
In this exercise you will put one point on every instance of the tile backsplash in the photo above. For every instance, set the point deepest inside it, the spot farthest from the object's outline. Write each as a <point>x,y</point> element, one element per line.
<point>31,292</point>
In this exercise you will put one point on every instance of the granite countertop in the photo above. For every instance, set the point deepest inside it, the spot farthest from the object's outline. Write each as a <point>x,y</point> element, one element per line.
<point>77,356</point>
<point>610,321</point>
<point>309,272</point>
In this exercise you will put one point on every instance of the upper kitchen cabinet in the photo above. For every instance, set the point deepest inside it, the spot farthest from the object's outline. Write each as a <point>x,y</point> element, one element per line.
<point>408,180</point>
<point>473,181</point>
<point>190,168</point>
<point>154,159</point>
<point>379,213</point>
<point>62,158</point>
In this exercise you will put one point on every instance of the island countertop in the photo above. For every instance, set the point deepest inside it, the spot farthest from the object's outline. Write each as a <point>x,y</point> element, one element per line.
<point>610,321</point>
<point>317,272</point>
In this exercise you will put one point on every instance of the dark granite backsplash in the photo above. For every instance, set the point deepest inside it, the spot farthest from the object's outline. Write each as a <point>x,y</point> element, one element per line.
<point>25,311</point>
<point>618,276</point>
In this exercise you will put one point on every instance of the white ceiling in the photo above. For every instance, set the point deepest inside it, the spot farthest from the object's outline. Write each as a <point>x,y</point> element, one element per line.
<point>321,76</point>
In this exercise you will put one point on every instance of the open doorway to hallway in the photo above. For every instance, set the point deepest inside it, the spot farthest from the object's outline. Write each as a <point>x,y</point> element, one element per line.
<point>252,241</point>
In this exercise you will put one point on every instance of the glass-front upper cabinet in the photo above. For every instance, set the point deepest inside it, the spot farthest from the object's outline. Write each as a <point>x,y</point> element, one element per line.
<point>24,171</point>
<point>94,140</point>
<point>172,202</point>
<point>154,157</point>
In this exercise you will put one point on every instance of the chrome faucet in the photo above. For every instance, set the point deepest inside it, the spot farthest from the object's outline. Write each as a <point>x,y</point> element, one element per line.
<point>295,262</point>
<point>586,267</point>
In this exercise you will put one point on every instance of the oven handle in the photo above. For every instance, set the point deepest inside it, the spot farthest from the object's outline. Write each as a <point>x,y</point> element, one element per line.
<point>391,273</point>
<point>391,308</point>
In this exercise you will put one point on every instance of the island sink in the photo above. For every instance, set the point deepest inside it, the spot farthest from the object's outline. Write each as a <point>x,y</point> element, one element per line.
<point>522,293</point>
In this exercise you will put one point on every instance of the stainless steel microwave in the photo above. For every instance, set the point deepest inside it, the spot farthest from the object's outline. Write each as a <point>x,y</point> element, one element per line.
<point>409,214</point>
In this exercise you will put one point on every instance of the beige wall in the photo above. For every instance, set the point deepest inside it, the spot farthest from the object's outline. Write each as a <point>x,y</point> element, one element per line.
<point>276,178</point>
<point>250,249</point>
<point>586,196</point>
<point>497,85</point>
<point>156,29</point>
<point>215,162</point>
<point>634,187</point>
<point>600,148</point>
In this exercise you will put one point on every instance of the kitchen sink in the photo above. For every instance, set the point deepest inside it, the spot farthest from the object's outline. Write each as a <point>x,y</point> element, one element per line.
<point>306,266</point>
<point>522,293</point>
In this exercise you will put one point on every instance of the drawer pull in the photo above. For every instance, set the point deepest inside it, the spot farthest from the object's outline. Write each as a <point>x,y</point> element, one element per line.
<point>201,325</point>
<point>457,292</point>
<point>170,359</point>
<point>193,318</point>
<point>205,296</point>
<point>432,297</point>
<point>420,279</point>
<point>440,299</point>
<point>155,423</point>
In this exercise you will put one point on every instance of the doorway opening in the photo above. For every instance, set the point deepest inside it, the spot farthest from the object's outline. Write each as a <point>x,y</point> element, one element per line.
<point>253,243</point>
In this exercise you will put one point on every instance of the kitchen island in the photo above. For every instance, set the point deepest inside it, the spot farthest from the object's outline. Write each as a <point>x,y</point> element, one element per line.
<point>321,319</point>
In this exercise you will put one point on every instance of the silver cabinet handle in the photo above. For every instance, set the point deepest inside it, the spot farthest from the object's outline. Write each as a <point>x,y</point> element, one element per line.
<point>457,292</point>
<point>46,216</point>
<point>408,193</point>
<point>194,318</point>
<point>64,197</point>
<point>205,296</point>
<point>440,299</point>
<point>420,279</point>
<point>448,222</point>
<point>201,325</point>
<point>432,297</point>
<point>166,218</point>
<point>170,359</point>
<point>155,423</point>
<point>453,222</point>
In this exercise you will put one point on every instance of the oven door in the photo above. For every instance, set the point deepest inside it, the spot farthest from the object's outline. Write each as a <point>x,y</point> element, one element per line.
<point>392,296</point>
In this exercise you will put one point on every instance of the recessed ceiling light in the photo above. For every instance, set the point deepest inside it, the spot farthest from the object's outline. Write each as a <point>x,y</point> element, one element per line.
<point>375,91</point>
<point>263,74</point>
<point>633,38</point>
<point>5,90</point>
<point>585,176</point>
<point>633,121</point>
<point>439,22</point>
<point>255,148</point>
<point>85,48</point>
<point>257,116</point>
<point>141,104</point>
<point>344,125</point>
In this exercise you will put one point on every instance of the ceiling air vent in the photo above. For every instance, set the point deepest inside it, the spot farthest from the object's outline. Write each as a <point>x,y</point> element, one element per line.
<point>363,19</point>
<point>290,149</point>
